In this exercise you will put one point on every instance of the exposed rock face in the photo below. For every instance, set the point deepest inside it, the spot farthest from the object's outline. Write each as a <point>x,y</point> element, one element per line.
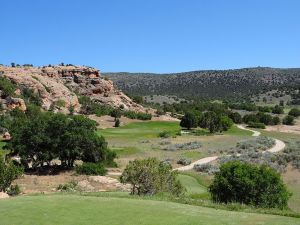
<point>13,103</point>
<point>58,83</point>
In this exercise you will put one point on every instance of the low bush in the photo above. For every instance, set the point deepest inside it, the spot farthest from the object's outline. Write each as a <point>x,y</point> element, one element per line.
<point>8,173</point>
<point>137,115</point>
<point>256,125</point>
<point>184,161</point>
<point>164,134</point>
<point>294,112</point>
<point>288,120</point>
<point>91,169</point>
<point>206,168</point>
<point>13,190</point>
<point>184,146</point>
<point>68,187</point>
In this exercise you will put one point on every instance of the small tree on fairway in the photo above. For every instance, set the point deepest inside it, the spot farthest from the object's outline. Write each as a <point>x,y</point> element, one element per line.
<point>189,120</point>
<point>117,123</point>
<point>116,114</point>
<point>249,184</point>
<point>150,176</point>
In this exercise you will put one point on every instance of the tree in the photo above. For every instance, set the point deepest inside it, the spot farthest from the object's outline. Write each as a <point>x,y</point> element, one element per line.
<point>276,120</point>
<point>294,112</point>
<point>116,114</point>
<point>277,109</point>
<point>226,123</point>
<point>249,184</point>
<point>8,173</point>
<point>211,121</point>
<point>117,123</point>
<point>150,176</point>
<point>47,136</point>
<point>236,117</point>
<point>189,120</point>
<point>288,120</point>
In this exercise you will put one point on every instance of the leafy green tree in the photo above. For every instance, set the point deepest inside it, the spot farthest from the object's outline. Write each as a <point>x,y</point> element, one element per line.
<point>276,120</point>
<point>294,112</point>
<point>226,123</point>
<point>236,117</point>
<point>8,173</point>
<point>116,113</point>
<point>211,121</point>
<point>150,176</point>
<point>288,120</point>
<point>249,184</point>
<point>277,109</point>
<point>189,120</point>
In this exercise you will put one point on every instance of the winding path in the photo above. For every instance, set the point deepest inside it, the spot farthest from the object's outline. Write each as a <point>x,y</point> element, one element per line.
<point>279,145</point>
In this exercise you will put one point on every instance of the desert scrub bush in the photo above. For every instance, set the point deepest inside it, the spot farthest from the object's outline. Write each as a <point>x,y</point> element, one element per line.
<point>151,176</point>
<point>164,134</point>
<point>137,115</point>
<point>91,169</point>
<point>184,161</point>
<point>164,142</point>
<point>260,143</point>
<point>239,182</point>
<point>256,125</point>
<point>288,120</point>
<point>68,187</point>
<point>294,112</point>
<point>206,168</point>
<point>7,87</point>
<point>183,146</point>
<point>13,190</point>
<point>8,173</point>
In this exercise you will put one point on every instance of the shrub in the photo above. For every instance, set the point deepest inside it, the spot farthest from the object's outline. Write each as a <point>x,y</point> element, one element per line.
<point>184,146</point>
<point>288,120</point>
<point>137,115</point>
<point>7,87</point>
<point>68,187</point>
<point>256,125</point>
<point>150,176</point>
<point>91,169</point>
<point>294,112</point>
<point>8,173</point>
<point>164,134</point>
<point>249,184</point>
<point>206,168</point>
<point>277,109</point>
<point>13,190</point>
<point>184,161</point>
<point>276,120</point>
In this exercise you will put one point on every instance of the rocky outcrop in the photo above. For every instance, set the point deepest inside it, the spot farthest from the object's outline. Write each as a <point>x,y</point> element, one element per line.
<point>60,83</point>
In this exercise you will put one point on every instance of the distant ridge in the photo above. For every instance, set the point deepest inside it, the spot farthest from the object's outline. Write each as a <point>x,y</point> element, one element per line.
<point>222,84</point>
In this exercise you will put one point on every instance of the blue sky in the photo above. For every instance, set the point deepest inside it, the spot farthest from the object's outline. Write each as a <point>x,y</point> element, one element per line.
<point>151,36</point>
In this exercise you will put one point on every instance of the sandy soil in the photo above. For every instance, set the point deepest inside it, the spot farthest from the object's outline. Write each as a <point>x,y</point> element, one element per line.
<point>49,183</point>
<point>285,128</point>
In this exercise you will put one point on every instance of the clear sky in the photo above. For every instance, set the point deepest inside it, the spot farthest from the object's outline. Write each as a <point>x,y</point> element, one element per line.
<point>151,35</point>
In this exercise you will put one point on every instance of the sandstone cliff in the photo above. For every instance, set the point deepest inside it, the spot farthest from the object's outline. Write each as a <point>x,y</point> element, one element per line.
<point>60,83</point>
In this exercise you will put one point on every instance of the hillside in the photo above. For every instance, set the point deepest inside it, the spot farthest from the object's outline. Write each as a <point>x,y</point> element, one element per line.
<point>219,84</point>
<point>60,86</point>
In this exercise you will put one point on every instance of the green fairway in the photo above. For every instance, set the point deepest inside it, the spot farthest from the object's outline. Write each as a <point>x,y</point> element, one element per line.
<point>191,184</point>
<point>140,130</point>
<point>75,209</point>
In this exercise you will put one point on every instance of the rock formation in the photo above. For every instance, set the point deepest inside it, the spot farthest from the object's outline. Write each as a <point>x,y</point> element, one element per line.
<point>60,83</point>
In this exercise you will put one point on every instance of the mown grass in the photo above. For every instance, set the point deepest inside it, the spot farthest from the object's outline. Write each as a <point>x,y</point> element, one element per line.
<point>111,210</point>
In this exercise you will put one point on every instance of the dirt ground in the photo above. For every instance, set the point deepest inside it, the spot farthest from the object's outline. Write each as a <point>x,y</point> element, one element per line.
<point>49,183</point>
<point>285,128</point>
<point>109,122</point>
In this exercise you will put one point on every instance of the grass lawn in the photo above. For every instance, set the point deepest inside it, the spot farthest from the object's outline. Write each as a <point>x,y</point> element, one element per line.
<point>75,209</point>
<point>191,184</point>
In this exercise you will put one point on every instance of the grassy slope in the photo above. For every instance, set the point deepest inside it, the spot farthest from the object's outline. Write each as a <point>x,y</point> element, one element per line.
<point>75,209</point>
